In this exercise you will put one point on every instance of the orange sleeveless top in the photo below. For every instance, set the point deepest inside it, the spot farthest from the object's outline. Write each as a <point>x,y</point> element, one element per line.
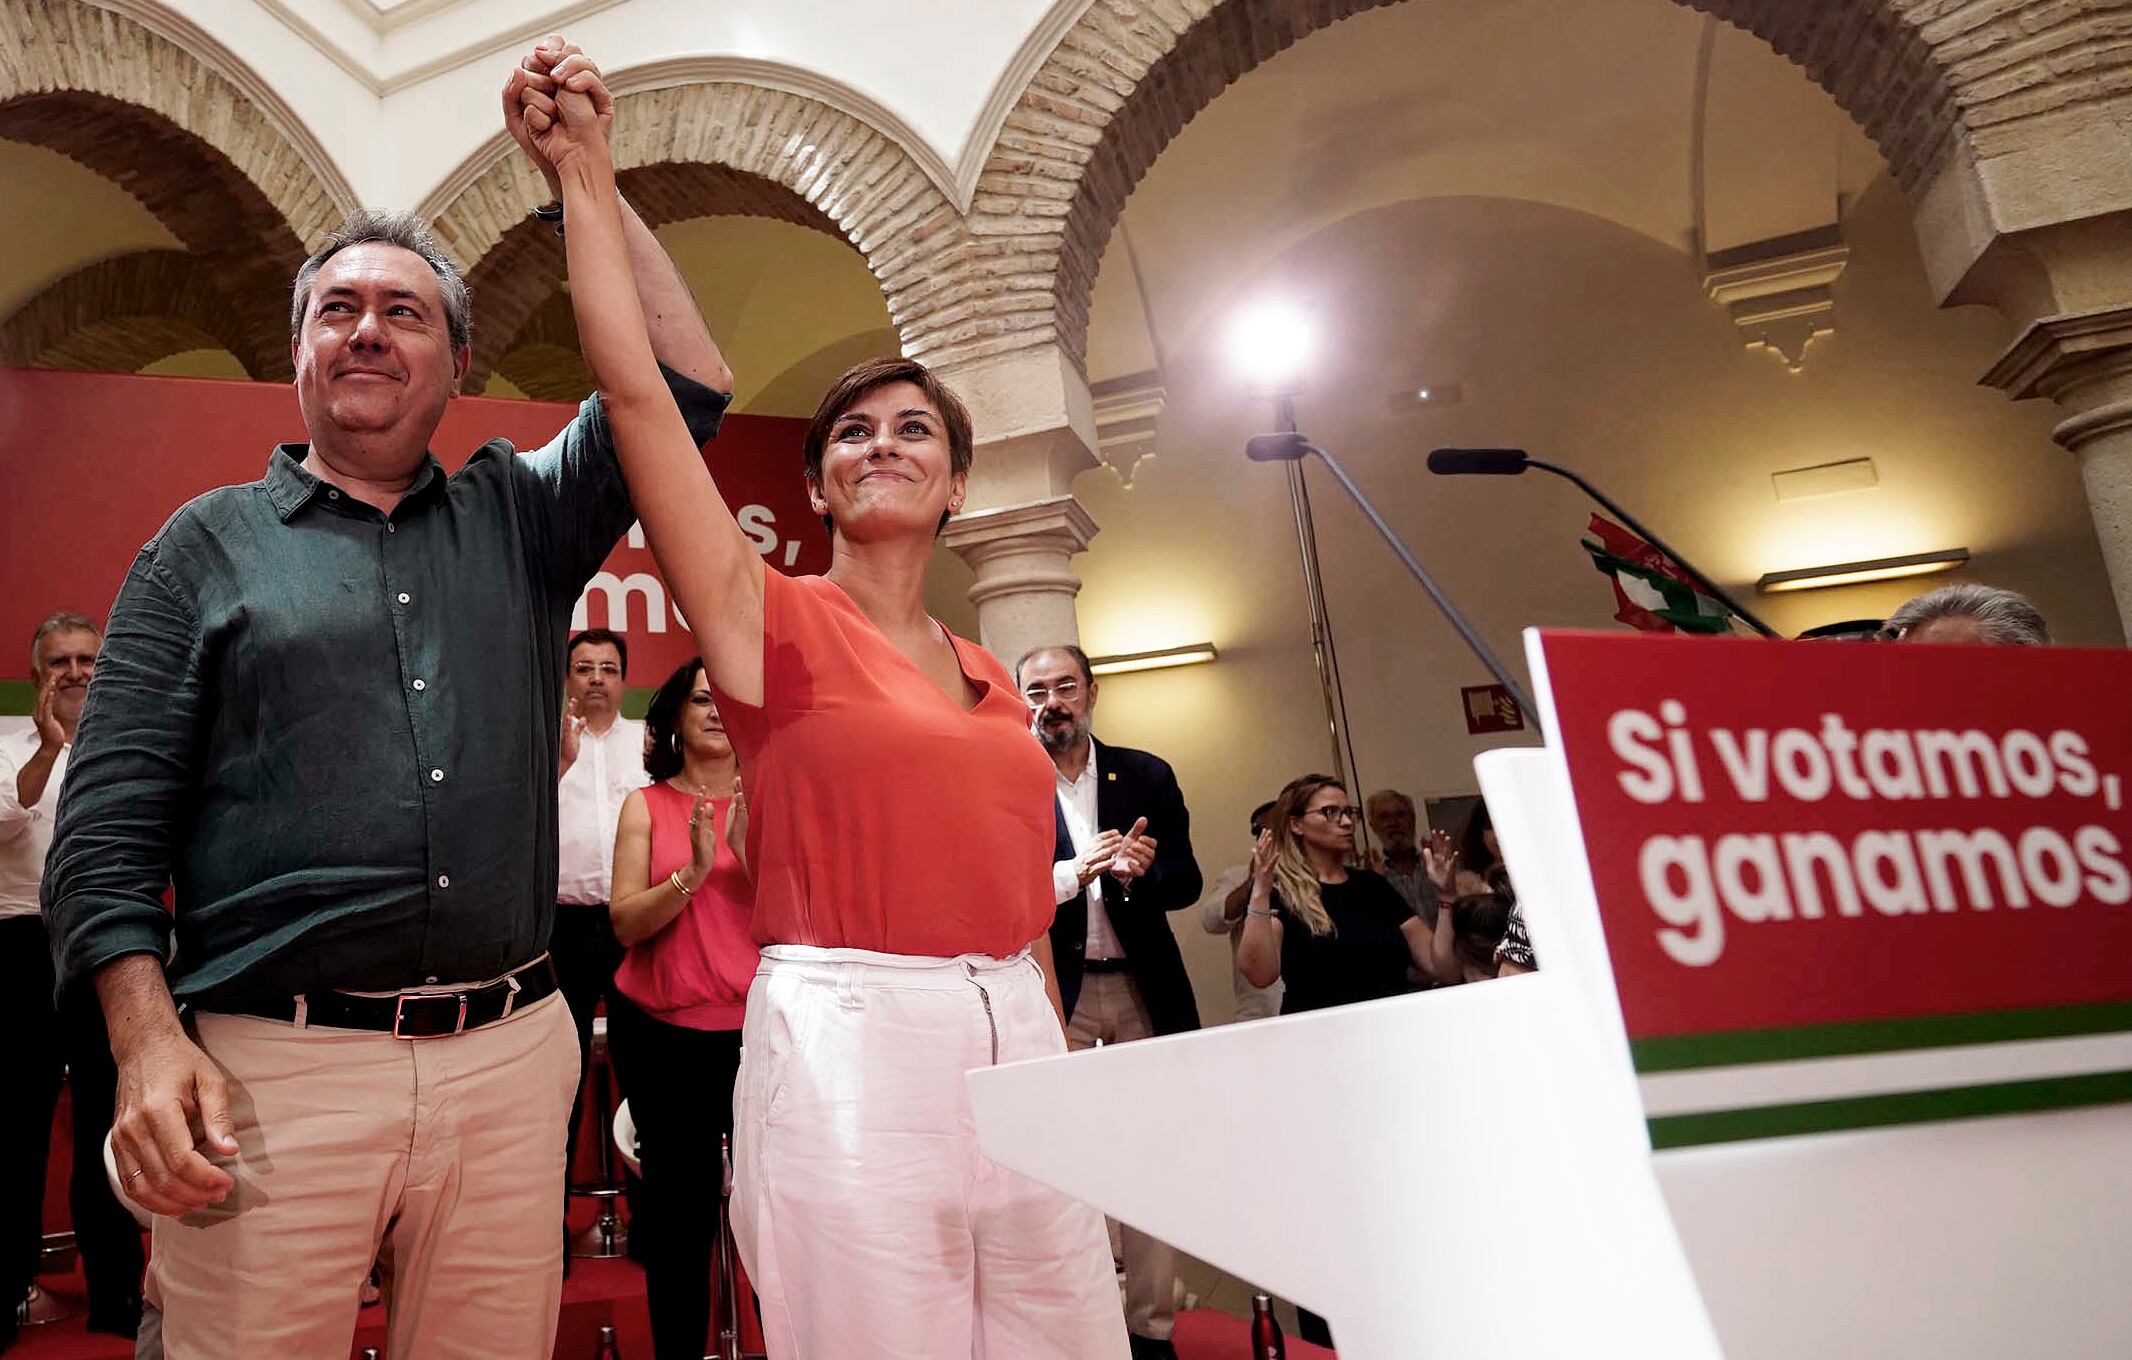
<point>881,815</point>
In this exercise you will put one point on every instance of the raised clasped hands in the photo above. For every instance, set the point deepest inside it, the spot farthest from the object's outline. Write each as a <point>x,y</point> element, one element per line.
<point>557,107</point>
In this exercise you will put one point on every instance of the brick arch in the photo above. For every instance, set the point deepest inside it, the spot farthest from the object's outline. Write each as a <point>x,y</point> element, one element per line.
<point>1923,79</point>
<point>122,314</point>
<point>197,139</point>
<point>520,279</point>
<point>711,147</point>
<point>543,360</point>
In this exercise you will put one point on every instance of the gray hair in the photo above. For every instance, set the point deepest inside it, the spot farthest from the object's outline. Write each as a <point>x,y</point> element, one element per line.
<point>61,621</point>
<point>2005,618</point>
<point>408,232</point>
<point>1383,796</point>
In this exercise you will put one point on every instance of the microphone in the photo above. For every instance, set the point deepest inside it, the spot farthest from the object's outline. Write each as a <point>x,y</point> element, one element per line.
<point>1276,448</point>
<point>1487,462</point>
<point>1293,448</point>
<point>1510,462</point>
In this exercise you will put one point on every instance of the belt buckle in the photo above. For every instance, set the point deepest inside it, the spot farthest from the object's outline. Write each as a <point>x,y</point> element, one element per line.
<point>400,1015</point>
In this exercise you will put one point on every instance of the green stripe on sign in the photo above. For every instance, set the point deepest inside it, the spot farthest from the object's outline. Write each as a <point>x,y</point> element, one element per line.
<point>1907,1107</point>
<point>1683,1052</point>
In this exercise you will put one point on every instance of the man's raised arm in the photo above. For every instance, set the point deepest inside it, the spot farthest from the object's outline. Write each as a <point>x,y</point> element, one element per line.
<point>680,339</point>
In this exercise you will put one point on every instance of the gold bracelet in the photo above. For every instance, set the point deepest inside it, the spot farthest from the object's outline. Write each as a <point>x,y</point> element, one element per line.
<point>674,881</point>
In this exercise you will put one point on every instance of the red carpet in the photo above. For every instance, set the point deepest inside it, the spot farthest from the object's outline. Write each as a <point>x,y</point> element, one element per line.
<point>597,1292</point>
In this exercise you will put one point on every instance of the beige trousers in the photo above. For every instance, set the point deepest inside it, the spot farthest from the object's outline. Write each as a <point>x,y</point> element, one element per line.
<point>447,1152</point>
<point>1109,1008</point>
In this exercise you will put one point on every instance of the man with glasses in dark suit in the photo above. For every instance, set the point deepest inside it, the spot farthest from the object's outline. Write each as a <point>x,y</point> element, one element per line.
<point>1123,864</point>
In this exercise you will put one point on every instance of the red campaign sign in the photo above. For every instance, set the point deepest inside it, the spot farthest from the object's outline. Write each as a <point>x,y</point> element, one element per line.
<point>1786,834</point>
<point>96,462</point>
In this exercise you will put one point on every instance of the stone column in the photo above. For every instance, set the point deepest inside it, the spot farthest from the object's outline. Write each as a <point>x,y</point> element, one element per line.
<point>1025,585</point>
<point>1021,525</point>
<point>2083,362</point>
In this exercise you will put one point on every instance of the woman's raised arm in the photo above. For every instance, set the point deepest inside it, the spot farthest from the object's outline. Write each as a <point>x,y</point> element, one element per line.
<point>709,564</point>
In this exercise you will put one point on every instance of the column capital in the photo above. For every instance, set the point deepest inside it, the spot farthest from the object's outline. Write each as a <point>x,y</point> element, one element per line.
<point>1022,556</point>
<point>2057,354</point>
<point>1054,525</point>
<point>2082,361</point>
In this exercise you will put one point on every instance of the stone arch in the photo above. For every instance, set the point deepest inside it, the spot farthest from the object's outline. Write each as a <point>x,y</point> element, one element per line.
<point>1924,80</point>
<point>708,147</point>
<point>122,314</point>
<point>542,360</point>
<point>197,139</point>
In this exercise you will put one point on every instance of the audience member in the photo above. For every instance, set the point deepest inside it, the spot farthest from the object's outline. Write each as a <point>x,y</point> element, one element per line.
<point>681,908</point>
<point>1392,819</point>
<point>1123,862</point>
<point>1969,613</point>
<point>49,1042</point>
<point>1335,934</point>
<point>601,762</point>
<point>900,820</point>
<point>1478,926</point>
<point>1221,912</point>
<point>386,871</point>
<point>1473,867</point>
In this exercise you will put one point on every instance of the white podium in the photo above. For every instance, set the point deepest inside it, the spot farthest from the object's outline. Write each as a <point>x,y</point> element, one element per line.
<point>1469,1172</point>
<point>1455,1173</point>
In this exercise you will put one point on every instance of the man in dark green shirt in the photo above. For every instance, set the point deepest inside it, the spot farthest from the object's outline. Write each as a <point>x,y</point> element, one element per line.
<point>326,712</point>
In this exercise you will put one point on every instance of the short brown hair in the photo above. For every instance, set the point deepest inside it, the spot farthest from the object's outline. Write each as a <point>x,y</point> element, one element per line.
<point>863,378</point>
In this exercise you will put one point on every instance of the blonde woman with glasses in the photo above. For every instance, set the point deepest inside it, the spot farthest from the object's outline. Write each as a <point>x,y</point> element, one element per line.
<point>1332,932</point>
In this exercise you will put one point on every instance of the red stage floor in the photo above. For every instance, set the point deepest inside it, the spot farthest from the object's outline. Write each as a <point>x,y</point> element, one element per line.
<point>597,1292</point>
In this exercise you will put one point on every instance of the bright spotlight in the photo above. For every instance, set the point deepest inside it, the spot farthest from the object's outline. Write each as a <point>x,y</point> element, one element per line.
<point>1269,344</point>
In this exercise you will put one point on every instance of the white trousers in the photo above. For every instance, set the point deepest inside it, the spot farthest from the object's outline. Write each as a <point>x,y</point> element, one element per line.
<point>870,1223</point>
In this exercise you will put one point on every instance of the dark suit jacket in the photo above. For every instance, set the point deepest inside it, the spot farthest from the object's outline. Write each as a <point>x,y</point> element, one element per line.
<point>1133,784</point>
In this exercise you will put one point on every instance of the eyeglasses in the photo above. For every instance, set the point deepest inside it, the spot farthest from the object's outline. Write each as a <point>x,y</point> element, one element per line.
<point>1336,814</point>
<point>1069,690</point>
<point>588,668</point>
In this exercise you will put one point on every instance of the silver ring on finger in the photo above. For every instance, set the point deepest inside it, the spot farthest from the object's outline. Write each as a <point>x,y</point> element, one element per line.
<point>137,1171</point>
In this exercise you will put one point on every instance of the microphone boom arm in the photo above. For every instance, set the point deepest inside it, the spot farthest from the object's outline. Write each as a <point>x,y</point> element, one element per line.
<point>1709,587</point>
<point>1420,573</point>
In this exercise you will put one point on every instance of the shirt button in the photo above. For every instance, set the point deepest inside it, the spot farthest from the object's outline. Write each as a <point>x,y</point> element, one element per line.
<point>333,495</point>
<point>405,597</point>
<point>391,528</point>
<point>443,881</point>
<point>421,684</point>
<point>436,776</point>
<point>431,979</point>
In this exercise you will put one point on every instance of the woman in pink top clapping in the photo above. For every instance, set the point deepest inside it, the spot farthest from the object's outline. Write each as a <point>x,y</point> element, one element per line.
<point>681,906</point>
<point>900,837</point>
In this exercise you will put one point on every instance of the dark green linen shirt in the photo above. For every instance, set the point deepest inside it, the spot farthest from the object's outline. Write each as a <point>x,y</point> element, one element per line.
<point>335,732</point>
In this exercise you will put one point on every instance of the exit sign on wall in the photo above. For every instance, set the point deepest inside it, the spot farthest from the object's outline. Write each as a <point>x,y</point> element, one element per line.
<point>1489,708</point>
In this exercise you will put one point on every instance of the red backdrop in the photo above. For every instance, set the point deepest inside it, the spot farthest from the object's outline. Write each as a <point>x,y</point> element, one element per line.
<point>93,463</point>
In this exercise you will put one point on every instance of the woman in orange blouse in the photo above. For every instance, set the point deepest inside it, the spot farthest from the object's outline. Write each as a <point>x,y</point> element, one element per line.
<point>900,839</point>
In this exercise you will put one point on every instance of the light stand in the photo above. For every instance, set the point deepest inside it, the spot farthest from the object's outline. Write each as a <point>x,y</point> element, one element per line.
<point>1290,447</point>
<point>1323,649</point>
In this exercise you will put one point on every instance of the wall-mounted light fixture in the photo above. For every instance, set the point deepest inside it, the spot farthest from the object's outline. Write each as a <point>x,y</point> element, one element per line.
<point>1854,573</point>
<point>1192,654</point>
